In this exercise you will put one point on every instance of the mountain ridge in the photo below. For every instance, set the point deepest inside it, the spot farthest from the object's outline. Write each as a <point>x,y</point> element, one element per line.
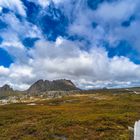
<point>55,85</point>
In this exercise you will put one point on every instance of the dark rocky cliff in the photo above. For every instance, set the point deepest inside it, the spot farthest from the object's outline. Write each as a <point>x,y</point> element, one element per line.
<point>56,85</point>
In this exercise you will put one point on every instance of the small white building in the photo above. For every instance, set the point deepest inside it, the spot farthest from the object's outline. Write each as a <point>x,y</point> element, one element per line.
<point>137,130</point>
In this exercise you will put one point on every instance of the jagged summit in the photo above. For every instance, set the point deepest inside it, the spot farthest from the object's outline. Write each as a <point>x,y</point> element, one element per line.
<point>55,85</point>
<point>6,91</point>
<point>6,88</point>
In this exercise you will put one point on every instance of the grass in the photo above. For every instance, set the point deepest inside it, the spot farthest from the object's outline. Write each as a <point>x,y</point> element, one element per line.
<point>87,117</point>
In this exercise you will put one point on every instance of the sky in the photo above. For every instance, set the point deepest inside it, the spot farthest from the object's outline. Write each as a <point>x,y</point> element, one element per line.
<point>94,43</point>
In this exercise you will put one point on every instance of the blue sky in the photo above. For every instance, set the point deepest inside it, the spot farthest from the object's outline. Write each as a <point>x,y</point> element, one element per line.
<point>95,43</point>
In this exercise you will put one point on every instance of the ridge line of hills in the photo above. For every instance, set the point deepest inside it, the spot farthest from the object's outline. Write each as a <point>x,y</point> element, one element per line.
<point>41,87</point>
<point>57,88</point>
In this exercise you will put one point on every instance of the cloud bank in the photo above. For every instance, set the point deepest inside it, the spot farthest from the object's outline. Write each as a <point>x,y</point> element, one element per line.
<point>72,42</point>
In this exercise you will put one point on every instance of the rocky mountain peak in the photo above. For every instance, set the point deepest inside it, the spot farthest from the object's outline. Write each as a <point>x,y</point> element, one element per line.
<point>6,88</point>
<point>55,85</point>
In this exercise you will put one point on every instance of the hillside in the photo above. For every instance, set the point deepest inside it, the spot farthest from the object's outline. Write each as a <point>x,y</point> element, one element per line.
<point>6,91</point>
<point>99,116</point>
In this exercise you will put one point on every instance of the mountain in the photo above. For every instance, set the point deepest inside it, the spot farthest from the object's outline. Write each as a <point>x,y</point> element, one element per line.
<point>56,85</point>
<point>6,91</point>
<point>6,88</point>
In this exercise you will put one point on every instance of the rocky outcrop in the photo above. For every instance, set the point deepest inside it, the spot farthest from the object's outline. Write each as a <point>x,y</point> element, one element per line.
<point>5,91</point>
<point>6,88</point>
<point>56,85</point>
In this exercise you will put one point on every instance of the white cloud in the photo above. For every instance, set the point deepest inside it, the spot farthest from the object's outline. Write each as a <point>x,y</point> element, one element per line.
<point>45,3</point>
<point>3,70</point>
<point>15,32</point>
<point>118,10</point>
<point>15,5</point>
<point>109,17</point>
<point>58,1</point>
<point>19,28</point>
<point>65,60</point>
<point>0,9</point>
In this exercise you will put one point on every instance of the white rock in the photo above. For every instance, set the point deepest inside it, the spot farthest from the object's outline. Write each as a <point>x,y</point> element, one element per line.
<point>137,130</point>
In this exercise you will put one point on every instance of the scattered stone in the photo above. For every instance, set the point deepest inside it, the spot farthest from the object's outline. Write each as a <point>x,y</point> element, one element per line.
<point>32,104</point>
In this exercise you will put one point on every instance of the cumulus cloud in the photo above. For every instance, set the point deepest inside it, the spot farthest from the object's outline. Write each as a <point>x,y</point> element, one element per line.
<point>15,5</point>
<point>118,10</point>
<point>15,32</point>
<point>108,19</point>
<point>64,59</point>
<point>18,28</point>
<point>3,70</point>
<point>69,59</point>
